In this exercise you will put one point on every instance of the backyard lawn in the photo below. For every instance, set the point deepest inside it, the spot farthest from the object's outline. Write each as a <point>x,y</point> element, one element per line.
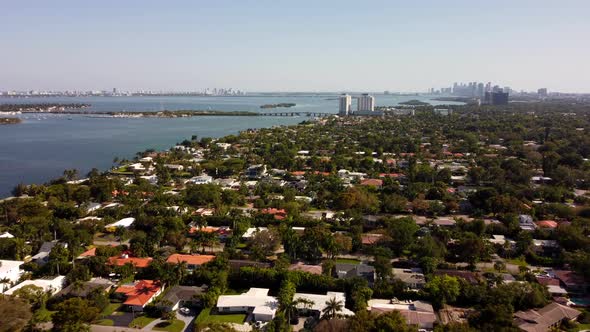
<point>206,317</point>
<point>176,326</point>
<point>112,307</point>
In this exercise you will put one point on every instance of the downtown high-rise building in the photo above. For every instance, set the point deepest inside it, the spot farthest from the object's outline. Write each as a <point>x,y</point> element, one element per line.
<point>366,103</point>
<point>542,92</point>
<point>345,103</point>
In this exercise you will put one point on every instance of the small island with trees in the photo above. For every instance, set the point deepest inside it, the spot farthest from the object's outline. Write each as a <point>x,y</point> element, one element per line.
<point>8,121</point>
<point>280,105</point>
<point>414,102</point>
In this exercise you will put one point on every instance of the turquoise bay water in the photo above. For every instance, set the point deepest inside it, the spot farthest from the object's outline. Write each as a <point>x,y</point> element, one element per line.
<point>42,146</point>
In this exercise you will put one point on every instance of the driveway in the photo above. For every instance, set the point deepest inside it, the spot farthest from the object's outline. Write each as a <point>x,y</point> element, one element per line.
<point>189,320</point>
<point>121,319</point>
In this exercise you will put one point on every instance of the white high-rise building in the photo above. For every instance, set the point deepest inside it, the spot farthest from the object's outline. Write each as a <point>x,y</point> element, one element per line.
<point>345,102</point>
<point>366,103</point>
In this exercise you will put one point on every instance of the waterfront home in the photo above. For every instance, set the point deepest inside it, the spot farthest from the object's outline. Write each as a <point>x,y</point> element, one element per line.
<point>255,301</point>
<point>139,294</point>
<point>318,302</point>
<point>548,318</point>
<point>137,167</point>
<point>193,262</point>
<point>47,285</point>
<point>10,272</point>
<point>418,313</point>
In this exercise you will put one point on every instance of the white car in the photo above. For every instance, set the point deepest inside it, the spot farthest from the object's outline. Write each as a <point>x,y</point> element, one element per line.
<point>184,311</point>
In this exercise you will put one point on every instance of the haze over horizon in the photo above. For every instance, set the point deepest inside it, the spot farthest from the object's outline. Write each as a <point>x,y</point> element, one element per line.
<point>287,46</point>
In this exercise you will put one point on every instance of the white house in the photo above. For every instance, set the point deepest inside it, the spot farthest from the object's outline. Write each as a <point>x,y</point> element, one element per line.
<point>48,285</point>
<point>10,272</point>
<point>153,179</point>
<point>318,302</point>
<point>125,222</point>
<point>6,235</point>
<point>137,167</point>
<point>201,179</point>
<point>93,206</point>
<point>255,301</point>
<point>146,160</point>
<point>174,167</point>
<point>253,230</point>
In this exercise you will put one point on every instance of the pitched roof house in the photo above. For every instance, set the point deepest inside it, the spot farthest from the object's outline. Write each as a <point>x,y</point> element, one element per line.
<point>417,313</point>
<point>192,261</point>
<point>140,293</point>
<point>544,319</point>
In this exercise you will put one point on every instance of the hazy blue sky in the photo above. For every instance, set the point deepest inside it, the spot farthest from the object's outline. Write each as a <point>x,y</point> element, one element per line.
<point>294,45</point>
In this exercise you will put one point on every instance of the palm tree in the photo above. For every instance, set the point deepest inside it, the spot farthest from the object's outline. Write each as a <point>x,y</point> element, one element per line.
<point>290,308</point>
<point>332,308</point>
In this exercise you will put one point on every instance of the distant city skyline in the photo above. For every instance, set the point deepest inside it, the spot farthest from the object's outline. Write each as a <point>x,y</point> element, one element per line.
<point>310,46</point>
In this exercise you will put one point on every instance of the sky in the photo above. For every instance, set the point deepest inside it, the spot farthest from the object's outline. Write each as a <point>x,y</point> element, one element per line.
<point>293,45</point>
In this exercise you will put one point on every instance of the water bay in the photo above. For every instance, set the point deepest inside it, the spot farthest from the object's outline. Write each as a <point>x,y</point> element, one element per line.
<point>43,145</point>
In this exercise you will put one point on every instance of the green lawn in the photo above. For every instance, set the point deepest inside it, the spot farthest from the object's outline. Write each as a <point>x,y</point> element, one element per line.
<point>582,327</point>
<point>206,317</point>
<point>176,326</point>
<point>141,321</point>
<point>112,307</point>
<point>516,261</point>
<point>347,261</point>
<point>105,322</point>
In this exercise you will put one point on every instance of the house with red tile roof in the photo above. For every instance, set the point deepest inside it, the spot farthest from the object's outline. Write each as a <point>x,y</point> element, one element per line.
<point>193,262</point>
<point>140,293</point>
<point>137,262</point>
<point>88,253</point>
<point>370,239</point>
<point>279,214</point>
<point>547,224</point>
